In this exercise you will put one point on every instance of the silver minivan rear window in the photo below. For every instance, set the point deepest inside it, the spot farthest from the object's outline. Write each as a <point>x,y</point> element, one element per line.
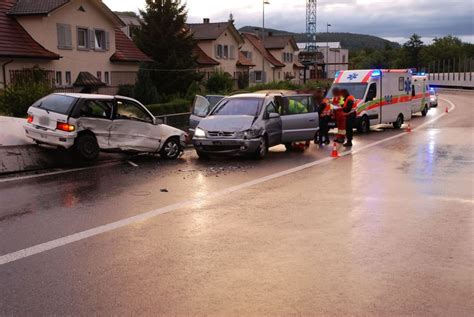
<point>56,103</point>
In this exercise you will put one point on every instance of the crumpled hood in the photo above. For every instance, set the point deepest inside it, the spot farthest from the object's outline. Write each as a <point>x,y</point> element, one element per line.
<point>226,123</point>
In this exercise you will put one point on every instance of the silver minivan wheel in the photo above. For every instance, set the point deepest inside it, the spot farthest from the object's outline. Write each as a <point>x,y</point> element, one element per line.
<point>262,149</point>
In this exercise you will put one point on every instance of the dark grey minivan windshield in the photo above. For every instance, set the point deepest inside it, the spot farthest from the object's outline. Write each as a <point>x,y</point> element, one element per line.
<point>56,103</point>
<point>238,107</point>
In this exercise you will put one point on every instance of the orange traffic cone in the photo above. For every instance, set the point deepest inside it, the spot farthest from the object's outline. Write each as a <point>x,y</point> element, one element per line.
<point>447,110</point>
<point>408,128</point>
<point>334,153</point>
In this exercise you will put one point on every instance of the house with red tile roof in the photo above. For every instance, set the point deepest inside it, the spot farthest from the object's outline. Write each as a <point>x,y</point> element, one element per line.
<point>268,68</point>
<point>218,48</point>
<point>71,40</point>
<point>285,49</point>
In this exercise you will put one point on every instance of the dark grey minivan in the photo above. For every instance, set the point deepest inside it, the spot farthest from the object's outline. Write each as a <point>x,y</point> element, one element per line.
<point>249,124</point>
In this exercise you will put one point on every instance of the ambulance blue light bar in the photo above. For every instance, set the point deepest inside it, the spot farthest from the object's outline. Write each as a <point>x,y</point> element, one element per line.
<point>376,73</point>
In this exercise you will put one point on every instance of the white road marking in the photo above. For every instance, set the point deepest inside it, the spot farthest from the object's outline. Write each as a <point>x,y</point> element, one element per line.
<point>46,246</point>
<point>13,179</point>
<point>458,200</point>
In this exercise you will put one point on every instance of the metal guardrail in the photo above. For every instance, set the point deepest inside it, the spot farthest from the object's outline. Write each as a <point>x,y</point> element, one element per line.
<point>177,120</point>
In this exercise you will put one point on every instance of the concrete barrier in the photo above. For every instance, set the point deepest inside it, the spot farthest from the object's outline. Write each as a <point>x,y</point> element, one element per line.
<point>454,80</point>
<point>19,158</point>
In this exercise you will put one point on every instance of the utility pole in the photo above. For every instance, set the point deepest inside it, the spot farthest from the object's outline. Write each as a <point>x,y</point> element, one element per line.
<point>311,47</point>
<point>263,40</point>
<point>327,49</point>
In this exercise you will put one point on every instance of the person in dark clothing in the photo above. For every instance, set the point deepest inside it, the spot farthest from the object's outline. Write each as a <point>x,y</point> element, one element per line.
<point>324,111</point>
<point>349,110</point>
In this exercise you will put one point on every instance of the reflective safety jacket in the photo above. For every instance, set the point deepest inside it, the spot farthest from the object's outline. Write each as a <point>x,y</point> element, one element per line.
<point>296,107</point>
<point>338,101</point>
<point>349,104</point>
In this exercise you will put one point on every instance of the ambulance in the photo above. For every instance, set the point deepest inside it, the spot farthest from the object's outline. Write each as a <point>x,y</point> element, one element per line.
<point>421,95</point>
<point>383,96</point>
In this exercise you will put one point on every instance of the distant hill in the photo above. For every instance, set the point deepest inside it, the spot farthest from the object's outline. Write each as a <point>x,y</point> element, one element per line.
<point>352,41</point>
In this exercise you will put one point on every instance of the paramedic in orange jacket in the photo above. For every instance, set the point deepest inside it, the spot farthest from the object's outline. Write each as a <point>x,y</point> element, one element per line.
<point>350,112</point>
<point>339,115</point>
<point>324,110</point>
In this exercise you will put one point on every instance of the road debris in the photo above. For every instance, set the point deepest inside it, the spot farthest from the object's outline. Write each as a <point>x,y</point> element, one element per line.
<point>133,164</point>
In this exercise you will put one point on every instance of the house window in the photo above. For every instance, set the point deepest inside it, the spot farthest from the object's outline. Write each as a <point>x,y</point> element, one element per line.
<point>99,75</point>
<point>101,42</point>
<point>68,78</point>
<point>219,51</point>
<point>59,79</point>
<point>64,36</point>
<point>287,57</point>
<point>226,52</point>
<point>247,55</point>
<point>107,78</point>
<point>258,76</point>
<point>82,38</point>
<point>343,58</point>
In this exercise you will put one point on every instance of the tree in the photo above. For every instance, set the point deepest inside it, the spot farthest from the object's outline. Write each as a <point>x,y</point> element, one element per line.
<point>220,83</point>
<point>412,49</point>
<point>447,48</point>
<point>164,36</point>
<point>144,89</point>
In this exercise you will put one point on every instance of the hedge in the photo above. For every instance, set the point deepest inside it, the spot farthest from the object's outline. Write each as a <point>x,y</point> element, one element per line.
<point>172,107</point>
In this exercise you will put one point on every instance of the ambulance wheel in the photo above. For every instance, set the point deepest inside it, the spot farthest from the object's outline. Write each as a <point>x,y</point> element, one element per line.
<point>398,124</point>
<point>364,125</point>
<point>424,112</point>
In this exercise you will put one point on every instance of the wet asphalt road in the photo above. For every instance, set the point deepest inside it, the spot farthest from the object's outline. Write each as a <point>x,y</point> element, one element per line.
<point>386,231</point>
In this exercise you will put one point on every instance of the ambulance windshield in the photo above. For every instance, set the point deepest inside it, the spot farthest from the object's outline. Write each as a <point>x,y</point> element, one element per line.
<point>355,89</point>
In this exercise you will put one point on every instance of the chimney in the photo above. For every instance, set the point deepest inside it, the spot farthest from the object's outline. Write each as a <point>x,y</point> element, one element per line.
<point>206,20</point>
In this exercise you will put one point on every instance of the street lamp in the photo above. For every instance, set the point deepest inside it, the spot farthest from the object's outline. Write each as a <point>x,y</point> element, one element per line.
<point>263,38</point>
<point>327,50</point>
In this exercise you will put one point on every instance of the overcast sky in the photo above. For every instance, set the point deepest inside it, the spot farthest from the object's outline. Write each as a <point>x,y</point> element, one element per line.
<point>392,19</point>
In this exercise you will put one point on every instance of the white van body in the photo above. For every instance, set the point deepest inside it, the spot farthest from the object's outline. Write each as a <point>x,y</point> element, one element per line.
<point>421,95</point>
<point>383,96</point>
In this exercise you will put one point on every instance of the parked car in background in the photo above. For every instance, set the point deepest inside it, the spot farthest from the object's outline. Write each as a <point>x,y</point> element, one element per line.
<point>202,105</point>
<point>91,123</point>
<point>248,124</point>
<point>433,98</point>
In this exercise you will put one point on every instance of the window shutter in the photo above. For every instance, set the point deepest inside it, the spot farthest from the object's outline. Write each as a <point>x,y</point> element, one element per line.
<point>216,49</point>
<point>232,52</point>
<point>251,56</point>
<point>107,41</point>
<point>264,77</point>
<point>283,55</point>
<point>60,35</point>
<point>68,35</point>
<point>91,39</point>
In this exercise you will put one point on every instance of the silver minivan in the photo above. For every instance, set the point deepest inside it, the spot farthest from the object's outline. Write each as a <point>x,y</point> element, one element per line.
<point>249,124</point>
